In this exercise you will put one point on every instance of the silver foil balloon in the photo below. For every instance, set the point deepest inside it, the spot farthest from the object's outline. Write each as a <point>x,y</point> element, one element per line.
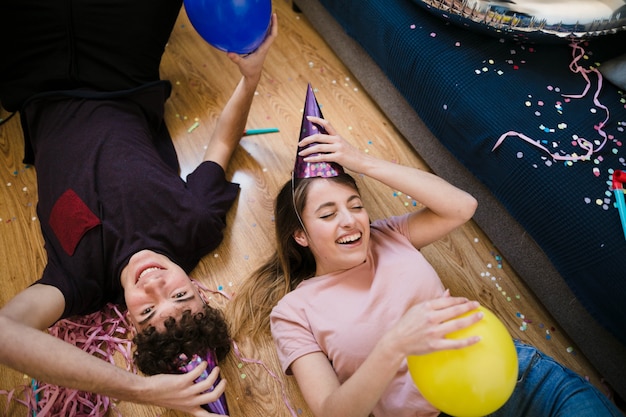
<point>535,20</point>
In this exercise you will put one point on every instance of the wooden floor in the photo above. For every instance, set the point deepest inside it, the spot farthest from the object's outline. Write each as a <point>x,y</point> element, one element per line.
<point>203,79</point>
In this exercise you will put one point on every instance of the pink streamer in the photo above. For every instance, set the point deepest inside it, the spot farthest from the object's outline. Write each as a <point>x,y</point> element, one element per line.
<point>202,287</point>
<point>577,54</point>
<point>271,373</point>
<point>583,143</point>
<point>102,334</point>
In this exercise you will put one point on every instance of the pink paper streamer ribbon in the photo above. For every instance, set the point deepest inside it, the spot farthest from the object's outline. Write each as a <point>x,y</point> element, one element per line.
<point>205,289</point>
<point>96,334</point>
<point>577,54</point>
<point>271,373</point>
<point>102,334</point>
<point>237,352</point>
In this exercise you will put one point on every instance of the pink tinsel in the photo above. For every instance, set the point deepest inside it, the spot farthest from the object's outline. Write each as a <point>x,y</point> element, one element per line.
<point>102,334</point>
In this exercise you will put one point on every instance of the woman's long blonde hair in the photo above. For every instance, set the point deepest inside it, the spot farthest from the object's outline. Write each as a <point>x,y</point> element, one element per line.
<point>249,311</point>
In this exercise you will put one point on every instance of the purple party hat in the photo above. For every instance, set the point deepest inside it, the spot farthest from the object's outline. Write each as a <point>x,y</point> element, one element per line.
<point>303,169</point>
<point>218,407</point>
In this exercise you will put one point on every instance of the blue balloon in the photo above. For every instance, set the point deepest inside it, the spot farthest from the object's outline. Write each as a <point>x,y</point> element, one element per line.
<point>231,25</point>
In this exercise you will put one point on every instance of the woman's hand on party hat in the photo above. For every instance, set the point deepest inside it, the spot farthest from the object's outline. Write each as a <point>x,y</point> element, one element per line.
<point>331,147</point>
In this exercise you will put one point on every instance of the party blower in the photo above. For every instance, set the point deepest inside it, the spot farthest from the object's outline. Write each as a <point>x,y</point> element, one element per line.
<point>218,407</point>
<point>619,178</point>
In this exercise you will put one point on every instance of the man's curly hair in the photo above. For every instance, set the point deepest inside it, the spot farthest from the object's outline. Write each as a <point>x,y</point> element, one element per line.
<point>158,352</point>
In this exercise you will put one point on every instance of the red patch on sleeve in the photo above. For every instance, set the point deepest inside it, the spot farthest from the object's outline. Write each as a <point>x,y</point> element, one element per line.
<point>70,219</point>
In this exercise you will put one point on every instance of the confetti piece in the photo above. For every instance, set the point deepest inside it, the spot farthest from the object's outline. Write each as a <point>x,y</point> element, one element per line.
<point>193,127</point>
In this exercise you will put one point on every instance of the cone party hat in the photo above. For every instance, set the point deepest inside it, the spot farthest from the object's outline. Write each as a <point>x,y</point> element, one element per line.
<point>303,169</point>
<point>187,365</point>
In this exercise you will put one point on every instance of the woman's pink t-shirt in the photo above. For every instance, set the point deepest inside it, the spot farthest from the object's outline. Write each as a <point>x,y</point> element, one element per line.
<point>345,314</point>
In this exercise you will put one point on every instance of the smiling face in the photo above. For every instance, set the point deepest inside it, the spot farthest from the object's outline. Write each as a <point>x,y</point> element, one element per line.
<point>337,226</point>
<point>156,288</point>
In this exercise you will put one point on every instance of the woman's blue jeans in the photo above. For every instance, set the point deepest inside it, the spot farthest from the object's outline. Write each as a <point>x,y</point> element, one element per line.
<point>545,388</point>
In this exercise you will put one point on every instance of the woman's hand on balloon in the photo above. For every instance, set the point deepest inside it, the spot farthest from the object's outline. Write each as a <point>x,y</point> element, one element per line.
<point>424,327</point>
<point>251,65</point>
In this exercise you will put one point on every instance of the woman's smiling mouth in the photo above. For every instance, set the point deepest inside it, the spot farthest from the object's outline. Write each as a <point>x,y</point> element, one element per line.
<point>349,239</point>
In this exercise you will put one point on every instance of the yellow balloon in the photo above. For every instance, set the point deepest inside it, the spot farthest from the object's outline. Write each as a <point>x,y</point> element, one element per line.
<point>472,381</point>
